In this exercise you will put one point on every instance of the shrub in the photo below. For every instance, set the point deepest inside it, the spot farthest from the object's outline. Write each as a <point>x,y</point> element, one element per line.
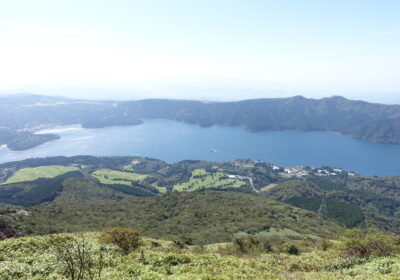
<point>172,260</point>
<point>360,244</point>
<point>245,243</point>
<point>290,248</point>
<point>155,244</point>
<point>353,243</point>
<point>342,263</point>
<point>325,244</point>
<point>125,239</point>
<point>182,242</point>
<point>79,259</point>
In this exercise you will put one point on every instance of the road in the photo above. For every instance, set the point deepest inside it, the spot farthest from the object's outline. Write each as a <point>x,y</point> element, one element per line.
<point>251,184</point>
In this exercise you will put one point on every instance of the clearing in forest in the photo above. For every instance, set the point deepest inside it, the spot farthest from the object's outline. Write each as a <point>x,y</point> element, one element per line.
<point>202,179</point>
<point>31,174</point>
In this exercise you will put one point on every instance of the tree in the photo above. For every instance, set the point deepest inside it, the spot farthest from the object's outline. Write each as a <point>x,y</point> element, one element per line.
<point>125,239</point>
<point>78,257</point>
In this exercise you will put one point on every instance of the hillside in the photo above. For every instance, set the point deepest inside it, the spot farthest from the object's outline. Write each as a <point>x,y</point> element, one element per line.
<point>363,120</point>
<point>36,258</point>
<point>205,217</point>
<point>200,220</point>
<point>84,192</point>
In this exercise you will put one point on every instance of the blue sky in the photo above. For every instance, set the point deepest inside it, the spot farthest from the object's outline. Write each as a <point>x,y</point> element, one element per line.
<point>201,49</point>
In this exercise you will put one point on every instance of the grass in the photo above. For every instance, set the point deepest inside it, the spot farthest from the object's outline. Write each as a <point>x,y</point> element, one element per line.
<point>109,176</point>
<point>162,190</point>
<point>31,258</point>
<point>285,233</point>
<point>201,179</point>
<point>269,187</point>
<point>31,174</point>
<point>128,167</point>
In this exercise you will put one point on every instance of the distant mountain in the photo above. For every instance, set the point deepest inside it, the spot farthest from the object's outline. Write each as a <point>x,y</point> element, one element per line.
<point>373,122</point>
<point>31,99</point>
<point>363,120</point>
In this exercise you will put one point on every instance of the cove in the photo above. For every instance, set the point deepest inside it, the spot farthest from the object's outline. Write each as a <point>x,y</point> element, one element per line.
<point>174,141</point>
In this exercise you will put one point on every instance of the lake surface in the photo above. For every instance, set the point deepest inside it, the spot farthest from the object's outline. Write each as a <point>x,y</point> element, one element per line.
<point>173,141</point>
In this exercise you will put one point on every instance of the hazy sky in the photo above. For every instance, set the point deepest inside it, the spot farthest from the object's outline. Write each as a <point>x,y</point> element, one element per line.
<point>205,48</point>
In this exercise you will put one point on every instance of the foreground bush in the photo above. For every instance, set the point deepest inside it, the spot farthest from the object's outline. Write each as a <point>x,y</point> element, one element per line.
<point>31,258</point>
<point>290,248</point>
<point>245,243</point>
<point>182,242</point>
<point>80,261</point>
<point>357,243</point>
<point>125,239</point>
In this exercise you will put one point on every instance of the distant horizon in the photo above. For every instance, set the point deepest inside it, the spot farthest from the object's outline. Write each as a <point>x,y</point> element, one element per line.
<point>215,50</point>
<point>195,99</point>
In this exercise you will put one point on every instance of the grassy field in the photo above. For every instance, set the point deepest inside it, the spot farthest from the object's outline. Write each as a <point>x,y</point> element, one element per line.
<point>269,187</point>
<point>201,179</point>
<point>109,176</point>
<point>31,174</point>
<point>284,233</point>
<point>32,258</point>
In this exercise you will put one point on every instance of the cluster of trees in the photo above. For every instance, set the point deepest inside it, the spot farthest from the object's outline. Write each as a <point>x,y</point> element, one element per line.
<point>347,214</point>
<point>206,217</point>
<point>37,191</point>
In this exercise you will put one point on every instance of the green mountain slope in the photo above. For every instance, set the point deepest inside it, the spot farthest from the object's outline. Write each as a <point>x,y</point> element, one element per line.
<point>109,183</point>
<point>206,217</point>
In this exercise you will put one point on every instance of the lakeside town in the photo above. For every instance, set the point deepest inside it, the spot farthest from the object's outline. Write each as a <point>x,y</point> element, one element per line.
<point>301,171</point>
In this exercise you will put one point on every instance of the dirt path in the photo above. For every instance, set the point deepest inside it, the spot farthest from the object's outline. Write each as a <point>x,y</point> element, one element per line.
<point>251,184</point>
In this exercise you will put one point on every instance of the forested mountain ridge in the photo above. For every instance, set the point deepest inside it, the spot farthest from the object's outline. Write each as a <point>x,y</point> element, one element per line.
<point>50,188</point>
<point>374,122</point>
<point>88,193</point>
<point>359,119</point>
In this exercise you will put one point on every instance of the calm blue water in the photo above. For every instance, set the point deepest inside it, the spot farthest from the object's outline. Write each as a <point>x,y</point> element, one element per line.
<point>172,141</point>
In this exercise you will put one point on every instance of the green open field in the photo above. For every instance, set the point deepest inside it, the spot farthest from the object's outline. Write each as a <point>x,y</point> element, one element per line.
<point>283,233</point>
<point>31,174</point>
<point>269,187</point>
<point>201,179</point>
<point>109,176</point>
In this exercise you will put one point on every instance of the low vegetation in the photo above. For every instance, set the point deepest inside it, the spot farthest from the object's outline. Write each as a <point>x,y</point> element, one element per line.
<point>84,256</point>
<point>359,243</point>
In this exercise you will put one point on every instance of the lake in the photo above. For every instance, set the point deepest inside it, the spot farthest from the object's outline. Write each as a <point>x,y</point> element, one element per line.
<point>173,141</point>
